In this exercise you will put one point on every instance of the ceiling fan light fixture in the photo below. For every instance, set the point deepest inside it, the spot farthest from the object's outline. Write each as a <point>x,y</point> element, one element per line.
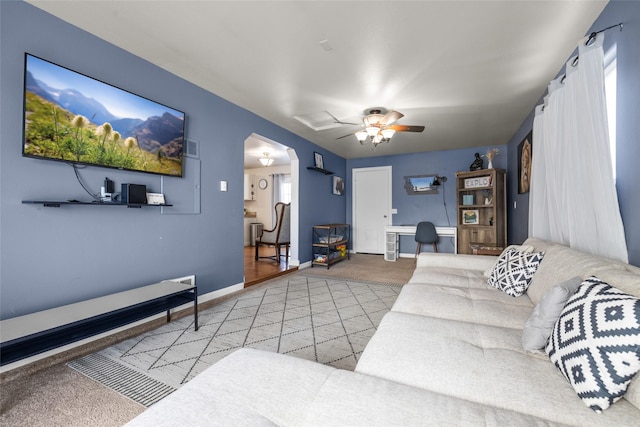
<point>387,133</point>
<point>372,130</point>
<point>373,119</point>
<point>361,135</point>
<point>266,161</point>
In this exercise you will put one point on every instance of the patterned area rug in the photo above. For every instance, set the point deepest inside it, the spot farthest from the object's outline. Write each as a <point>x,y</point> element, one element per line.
<point>327,320</point>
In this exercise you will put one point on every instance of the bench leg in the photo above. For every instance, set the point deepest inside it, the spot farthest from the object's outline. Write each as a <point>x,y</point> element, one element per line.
<point>195,309</point>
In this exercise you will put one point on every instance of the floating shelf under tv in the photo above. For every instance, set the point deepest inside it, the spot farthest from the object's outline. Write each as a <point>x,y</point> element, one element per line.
<point>57,204</point>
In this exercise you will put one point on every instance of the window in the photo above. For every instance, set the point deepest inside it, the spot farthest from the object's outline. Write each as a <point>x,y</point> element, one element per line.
<point>286,189</point>
<point>610,88</point>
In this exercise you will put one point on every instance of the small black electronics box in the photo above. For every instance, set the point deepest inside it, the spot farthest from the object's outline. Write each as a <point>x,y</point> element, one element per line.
<point>133,194</point>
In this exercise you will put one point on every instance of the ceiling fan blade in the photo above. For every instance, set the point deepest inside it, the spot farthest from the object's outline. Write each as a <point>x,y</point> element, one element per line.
<point>406,128</point>
<point>344,136</point>
<point>391,117</point>
<point>340,121</point>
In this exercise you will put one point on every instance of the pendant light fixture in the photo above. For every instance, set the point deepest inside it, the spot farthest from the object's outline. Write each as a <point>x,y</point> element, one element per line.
<point>266,160</point>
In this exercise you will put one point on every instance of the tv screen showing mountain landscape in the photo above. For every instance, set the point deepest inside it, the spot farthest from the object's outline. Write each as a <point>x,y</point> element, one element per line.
<point>74,118</point>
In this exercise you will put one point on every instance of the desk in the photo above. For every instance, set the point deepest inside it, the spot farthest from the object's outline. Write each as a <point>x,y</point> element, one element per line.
<point>393,232</point>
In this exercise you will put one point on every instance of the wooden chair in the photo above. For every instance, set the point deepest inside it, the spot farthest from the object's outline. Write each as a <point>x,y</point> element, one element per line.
<point>279,235</point>
<point>426,233</point>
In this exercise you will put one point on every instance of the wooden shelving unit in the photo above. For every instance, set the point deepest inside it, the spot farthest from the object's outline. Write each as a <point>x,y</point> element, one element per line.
<point>330,244</point>
<point>481,209</point>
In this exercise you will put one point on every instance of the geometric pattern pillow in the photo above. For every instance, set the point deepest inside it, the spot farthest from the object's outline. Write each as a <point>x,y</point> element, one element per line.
<point>596,343</point>
<point>521,248</point>
<point>513,271</point>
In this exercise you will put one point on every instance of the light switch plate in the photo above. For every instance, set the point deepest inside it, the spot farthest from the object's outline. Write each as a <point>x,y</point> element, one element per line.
<point>223,185</point>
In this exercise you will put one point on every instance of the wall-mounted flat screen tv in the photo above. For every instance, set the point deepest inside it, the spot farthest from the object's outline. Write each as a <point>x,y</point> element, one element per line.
<point>77,119</point>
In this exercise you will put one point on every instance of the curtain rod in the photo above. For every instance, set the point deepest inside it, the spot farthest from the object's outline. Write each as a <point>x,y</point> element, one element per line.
<point>593,35</point>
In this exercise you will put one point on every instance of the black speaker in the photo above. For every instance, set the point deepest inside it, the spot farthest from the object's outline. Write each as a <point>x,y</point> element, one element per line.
<point>133,194</point>
<point>108,186</point>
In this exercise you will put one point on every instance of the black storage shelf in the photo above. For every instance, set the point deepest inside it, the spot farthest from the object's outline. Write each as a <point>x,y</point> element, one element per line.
<point>57,204</point>
<point>325,250</point>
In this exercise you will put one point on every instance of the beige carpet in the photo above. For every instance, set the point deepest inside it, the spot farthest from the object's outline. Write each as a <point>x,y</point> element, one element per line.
<point>59,396</point>
<point>370,268</point>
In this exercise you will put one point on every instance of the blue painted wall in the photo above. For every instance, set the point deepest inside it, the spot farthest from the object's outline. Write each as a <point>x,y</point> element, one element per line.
<point>628,128</point>
<point>50,257</point>
<point>437,208</point>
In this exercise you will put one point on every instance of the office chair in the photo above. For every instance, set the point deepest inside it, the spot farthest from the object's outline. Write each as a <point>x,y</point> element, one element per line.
<point>426,233</point>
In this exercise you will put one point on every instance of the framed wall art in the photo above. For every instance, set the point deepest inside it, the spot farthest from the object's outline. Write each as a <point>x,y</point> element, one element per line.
<point>470,216</point>
<point>524,164</point>
<point>318,161</point>
<point>338,186</point>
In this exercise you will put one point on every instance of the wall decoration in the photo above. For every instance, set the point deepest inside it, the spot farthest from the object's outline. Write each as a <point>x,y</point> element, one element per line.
<point>524,164</point>
<point>318,161</point>
<point>420,184</point>
<point>338,186</point>
<point>481,181</point>
<point>477,164</point>
<point>263,184</point>
<point>470,216</point>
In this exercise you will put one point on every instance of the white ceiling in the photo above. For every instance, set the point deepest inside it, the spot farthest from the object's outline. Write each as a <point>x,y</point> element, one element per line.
<point>470,71</point>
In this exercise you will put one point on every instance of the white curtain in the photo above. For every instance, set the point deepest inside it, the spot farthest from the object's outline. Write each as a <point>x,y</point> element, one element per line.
<point>276,191</point>
<point>573,199</point>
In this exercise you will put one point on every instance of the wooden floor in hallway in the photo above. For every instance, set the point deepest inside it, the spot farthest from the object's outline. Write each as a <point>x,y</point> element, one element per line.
<point>264,268</point>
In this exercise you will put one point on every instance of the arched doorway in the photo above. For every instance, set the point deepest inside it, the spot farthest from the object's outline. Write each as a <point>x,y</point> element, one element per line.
<point>259,207</point>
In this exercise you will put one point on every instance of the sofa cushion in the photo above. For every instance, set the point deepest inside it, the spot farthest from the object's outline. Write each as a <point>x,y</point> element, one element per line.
<point>248,387</point>
<point>484,306</point>
<point>458,261</point>
<point>240,390</point>
<point>539,325</point>
<point>445,276</point>
<point>562,263</point>
<point>596,342</point>
<point>482,364</point>
<point>513,271</point>
<point>353,399</point>
<point>626,280</point>
<point>522,248</point>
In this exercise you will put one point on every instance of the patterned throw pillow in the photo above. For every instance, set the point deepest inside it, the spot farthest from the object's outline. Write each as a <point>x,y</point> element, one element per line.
<point>513,271</point>
<point>522,248</point>
<point>596,343</point>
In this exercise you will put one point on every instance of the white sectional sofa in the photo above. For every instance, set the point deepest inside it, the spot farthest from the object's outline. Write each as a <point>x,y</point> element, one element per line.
<point>450,352</point>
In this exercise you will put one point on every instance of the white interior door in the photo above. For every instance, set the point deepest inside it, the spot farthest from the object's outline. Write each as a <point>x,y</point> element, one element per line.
<point>371,208</point>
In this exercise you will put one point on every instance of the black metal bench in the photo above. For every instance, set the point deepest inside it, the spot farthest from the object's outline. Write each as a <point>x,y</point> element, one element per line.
<point>36,333</point>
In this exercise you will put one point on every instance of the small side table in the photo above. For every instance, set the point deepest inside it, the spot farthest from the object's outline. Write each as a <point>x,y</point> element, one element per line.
<point>485,249</point>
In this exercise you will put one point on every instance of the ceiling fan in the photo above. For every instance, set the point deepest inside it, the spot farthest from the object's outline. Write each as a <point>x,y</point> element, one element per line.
<point>378,126</point>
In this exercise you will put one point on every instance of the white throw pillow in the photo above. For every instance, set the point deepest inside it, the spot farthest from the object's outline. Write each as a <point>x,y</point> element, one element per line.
<point>596,343</point>
<point>514,270</point>
<point>522,248</point>
<point>538,327</point>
